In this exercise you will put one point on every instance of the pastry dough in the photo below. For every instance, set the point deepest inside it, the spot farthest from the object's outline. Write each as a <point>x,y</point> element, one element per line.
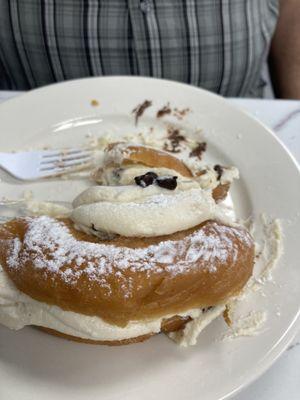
<point>126,279</point>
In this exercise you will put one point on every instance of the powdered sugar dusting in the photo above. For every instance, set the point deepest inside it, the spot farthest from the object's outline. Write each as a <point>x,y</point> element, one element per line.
<point>50,246</point>
<point>14,252</point>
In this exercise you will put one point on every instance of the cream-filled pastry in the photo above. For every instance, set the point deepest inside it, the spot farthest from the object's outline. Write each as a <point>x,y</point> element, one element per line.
<point>121,281</point>
<point>150,250</point>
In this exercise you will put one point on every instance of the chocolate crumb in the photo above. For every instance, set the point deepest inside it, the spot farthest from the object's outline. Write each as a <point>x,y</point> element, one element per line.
<point>146,180</point>
<point>219,170</point>
<point>199,150</point>
<point>164,111</point>
<point>171,148</point>
<point>175,138</point>
<point>140,109</point>
<point>167,182</point>
<point>180,114</point>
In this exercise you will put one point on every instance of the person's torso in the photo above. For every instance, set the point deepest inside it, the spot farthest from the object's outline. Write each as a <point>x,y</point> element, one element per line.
<point>219,45</point>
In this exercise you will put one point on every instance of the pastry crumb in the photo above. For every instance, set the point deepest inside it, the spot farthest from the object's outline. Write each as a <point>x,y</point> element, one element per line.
<point>95,103</point>
<point>247,325</point>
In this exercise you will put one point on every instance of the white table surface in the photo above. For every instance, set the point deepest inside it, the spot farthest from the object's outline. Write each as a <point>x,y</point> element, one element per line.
<point>282,380</point>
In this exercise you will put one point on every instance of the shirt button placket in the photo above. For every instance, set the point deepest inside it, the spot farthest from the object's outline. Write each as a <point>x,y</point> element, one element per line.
<point>145,6</point>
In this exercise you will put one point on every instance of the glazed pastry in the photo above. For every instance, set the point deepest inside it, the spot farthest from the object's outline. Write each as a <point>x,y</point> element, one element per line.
<point>122,154</point>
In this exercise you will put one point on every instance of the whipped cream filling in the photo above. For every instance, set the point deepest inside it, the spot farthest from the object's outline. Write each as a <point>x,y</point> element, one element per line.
<point>128,193</point>
<point>229,174</point>
<point>189,334</point>
<point>209,180</point>
<point>18,310</point>
<point>133,211</point>
<point>125,176</point>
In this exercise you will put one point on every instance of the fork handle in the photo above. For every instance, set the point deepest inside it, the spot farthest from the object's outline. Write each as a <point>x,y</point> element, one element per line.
<point>5,159</point>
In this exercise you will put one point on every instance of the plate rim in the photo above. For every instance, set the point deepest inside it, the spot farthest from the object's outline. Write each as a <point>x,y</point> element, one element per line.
<point>33,92</point>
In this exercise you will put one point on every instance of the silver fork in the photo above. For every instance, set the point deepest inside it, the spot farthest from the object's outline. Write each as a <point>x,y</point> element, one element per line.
<point>31,165</point>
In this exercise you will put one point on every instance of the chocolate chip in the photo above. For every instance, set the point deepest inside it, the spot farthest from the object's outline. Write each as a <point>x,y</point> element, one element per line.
<point>153,174</point>
<point>146,180</point>
<point>180,114</point>
<point>219,170</point>
<point>167,182</point>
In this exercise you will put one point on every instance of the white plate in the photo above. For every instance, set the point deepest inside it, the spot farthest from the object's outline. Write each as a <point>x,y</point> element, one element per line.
<point>34,365</point>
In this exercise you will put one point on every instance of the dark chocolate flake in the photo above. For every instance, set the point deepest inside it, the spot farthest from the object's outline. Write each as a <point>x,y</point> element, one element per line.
<point>163,111</point>
<point>219,170</point>
<point>180,114</point>
<point>140,109</point>
<point>174,140</point>
<point>199,150</point>
<point>167,182</point>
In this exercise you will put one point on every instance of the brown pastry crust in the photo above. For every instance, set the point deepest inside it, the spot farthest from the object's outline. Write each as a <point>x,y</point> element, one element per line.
<point>155,291</point>
<point>174,323</point>
<point>151,158</point>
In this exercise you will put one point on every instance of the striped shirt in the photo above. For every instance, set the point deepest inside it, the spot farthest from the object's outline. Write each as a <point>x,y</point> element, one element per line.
<point>220,45</point>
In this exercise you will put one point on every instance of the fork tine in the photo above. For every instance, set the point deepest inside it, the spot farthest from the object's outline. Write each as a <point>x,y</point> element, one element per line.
<point>63,153</point>
<point>60,171</point>
<point>59,165</point>
<point>78,156</point>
